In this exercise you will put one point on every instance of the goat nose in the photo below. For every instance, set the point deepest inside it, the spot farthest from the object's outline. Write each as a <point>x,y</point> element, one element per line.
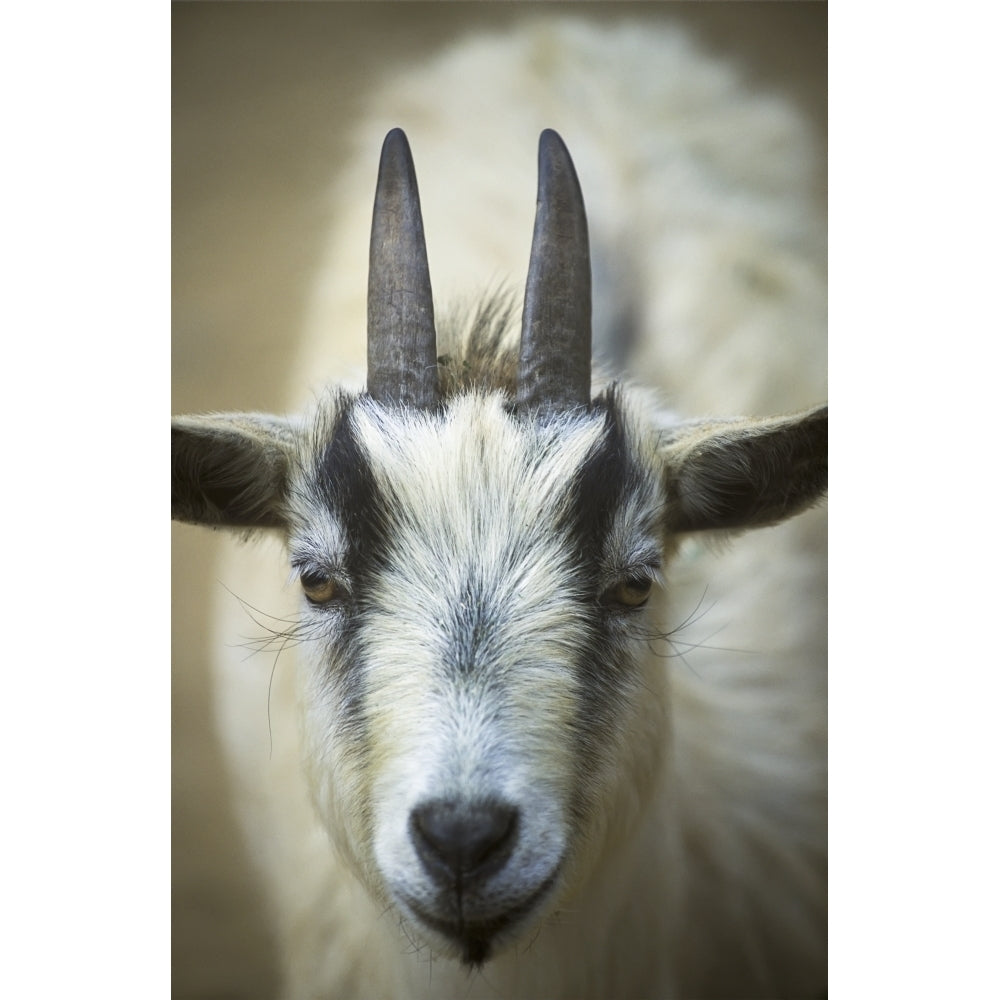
<point>463,840</point>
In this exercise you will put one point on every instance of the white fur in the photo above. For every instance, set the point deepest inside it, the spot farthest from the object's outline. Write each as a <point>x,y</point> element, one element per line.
<point>701,225</point>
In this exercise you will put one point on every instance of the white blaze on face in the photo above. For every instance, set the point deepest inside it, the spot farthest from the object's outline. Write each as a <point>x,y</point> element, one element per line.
<point>468,648</point>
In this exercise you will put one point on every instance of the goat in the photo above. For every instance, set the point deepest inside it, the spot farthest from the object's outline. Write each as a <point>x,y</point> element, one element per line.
<point>492,743</point>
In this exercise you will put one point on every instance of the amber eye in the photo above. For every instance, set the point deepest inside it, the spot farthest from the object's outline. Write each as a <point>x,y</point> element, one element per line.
<point>632,592</point>
<point>321,589</point>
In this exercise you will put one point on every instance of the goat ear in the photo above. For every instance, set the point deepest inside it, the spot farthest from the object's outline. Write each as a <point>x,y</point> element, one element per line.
<point>744,474</point>
<point>231,470</point>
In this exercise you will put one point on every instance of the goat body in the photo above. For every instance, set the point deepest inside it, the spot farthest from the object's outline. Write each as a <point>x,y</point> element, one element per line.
<point>541,741</point>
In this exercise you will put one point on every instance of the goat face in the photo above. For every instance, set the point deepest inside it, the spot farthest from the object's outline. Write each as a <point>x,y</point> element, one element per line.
<point>475,554</point>
<point>474,588</point>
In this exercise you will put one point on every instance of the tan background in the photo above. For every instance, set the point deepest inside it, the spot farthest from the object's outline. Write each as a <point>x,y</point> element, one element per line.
<point>262,93</point>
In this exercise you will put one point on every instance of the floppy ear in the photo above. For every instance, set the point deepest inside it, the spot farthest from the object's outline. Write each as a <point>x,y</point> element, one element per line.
<point>231,470</point>
<point>744,473</point>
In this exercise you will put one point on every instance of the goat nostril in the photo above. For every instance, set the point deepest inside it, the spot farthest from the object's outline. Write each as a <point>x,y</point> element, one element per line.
<point>463,839</point>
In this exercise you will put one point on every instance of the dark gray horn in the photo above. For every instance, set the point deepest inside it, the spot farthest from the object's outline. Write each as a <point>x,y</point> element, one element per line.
<point>554,363</point>
<point>402,363</point>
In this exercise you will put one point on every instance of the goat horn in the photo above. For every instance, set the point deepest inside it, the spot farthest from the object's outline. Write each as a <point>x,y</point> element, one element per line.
<point>402,362</point>
<point>554,362</point>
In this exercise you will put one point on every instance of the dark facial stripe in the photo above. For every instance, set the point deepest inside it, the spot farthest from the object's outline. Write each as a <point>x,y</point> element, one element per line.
<point>347,487</point>
<point>604,479</point>
<point>608,475</point>
<point>351,492</point>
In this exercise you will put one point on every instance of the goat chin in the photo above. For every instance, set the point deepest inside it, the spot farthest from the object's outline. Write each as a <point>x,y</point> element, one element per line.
<point>695,863</point>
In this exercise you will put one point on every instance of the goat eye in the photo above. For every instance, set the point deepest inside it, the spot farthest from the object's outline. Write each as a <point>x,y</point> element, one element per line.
<point>320,589</point>
<point>632,592</point>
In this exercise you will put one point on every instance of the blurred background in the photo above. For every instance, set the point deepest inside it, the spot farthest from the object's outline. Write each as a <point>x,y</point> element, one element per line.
<point>263,94</point>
